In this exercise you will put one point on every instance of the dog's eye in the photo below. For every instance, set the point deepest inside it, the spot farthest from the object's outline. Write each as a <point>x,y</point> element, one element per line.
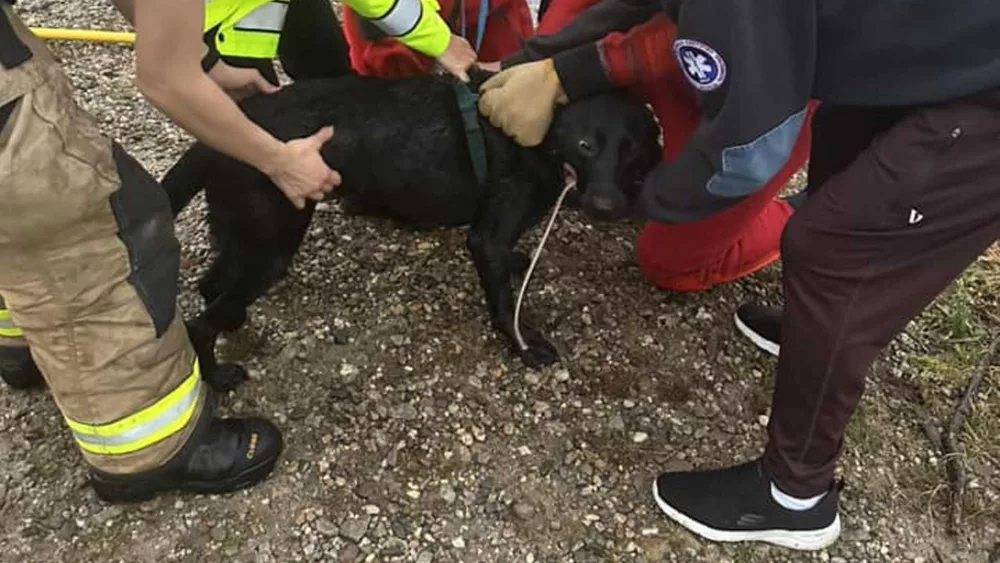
<point>585,146</point>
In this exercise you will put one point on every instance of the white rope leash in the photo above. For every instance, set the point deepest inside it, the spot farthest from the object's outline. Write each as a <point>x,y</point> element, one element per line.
<point>570,184</point>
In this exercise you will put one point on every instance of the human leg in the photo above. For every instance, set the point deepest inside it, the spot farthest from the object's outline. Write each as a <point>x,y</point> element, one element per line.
<point>904,220</point>
<point>90,266</point>
<point>839,135</point>
<point>866,253</point>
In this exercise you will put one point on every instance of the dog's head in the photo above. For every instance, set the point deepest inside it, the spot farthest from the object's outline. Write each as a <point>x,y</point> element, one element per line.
<point>609,143</point>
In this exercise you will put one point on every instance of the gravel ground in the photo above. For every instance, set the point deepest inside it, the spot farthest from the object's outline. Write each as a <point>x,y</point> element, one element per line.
<point>413,435</point>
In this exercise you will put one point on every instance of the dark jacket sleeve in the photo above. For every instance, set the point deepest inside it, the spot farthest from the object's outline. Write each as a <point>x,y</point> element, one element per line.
<point>753,102</point>
<point>591,25</point>
<point>618,60</point>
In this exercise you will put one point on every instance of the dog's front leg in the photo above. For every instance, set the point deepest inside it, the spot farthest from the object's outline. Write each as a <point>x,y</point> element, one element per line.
<point>221,377</point>
<point>491,242</point>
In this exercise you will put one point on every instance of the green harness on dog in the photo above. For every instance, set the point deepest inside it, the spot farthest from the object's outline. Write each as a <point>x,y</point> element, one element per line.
<point>467,102</point>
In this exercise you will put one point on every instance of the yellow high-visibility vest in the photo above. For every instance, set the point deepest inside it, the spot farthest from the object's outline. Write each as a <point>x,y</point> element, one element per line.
<point>247,28</point>
<point>252,28</point>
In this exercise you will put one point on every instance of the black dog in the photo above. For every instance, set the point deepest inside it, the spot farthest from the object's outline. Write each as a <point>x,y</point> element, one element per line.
<point>402,151</point>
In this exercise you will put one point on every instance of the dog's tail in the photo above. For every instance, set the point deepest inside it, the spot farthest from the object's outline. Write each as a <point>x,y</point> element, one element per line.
<point>187,176</point>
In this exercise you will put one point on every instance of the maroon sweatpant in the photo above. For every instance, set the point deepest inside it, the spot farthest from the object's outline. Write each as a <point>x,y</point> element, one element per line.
<point>901,201</point>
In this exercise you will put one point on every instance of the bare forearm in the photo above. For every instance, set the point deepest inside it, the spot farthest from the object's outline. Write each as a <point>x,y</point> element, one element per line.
<point>201,108</point>
<point>168,50</point>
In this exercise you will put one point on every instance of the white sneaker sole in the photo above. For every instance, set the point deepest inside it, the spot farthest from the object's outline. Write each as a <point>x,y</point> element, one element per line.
<point>760,341</point>
<point>809,540</point>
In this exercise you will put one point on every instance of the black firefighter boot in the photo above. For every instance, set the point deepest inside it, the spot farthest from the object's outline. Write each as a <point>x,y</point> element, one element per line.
<point>221,456</point>
<point>18,369</point>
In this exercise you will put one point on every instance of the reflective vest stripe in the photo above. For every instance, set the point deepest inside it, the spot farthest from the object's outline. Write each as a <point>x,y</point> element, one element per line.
<point>7,327</point>
<point>415,23</point>
<point>152,424</point>
<point>270,18</point>
<point>402,18</point>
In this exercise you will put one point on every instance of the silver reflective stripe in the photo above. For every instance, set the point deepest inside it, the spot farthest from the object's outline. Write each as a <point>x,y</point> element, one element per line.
<point>269,17</point>
<point>143,430</point>
<point>7,324</point>
<point>401,19</point>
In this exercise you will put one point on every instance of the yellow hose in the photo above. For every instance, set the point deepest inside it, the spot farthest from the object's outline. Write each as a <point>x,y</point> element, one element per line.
<point>91,35</point>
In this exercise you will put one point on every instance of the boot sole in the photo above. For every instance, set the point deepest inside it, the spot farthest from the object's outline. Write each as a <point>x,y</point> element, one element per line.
<point>803,540</point>
<point>138,492</point>
<point>758,340</point>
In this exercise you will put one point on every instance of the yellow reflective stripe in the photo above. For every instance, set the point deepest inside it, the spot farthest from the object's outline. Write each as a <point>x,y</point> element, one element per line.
<point>269,17</point>
<point>401,18</point>
<point>152,424</point>
<point>427,34</point>
<point>7,327</point>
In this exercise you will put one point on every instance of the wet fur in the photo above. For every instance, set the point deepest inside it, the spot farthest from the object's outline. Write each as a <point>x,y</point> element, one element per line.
<point>401,149</point>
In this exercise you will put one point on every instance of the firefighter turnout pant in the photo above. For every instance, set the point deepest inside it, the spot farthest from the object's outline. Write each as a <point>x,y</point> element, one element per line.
<point>88,269</point>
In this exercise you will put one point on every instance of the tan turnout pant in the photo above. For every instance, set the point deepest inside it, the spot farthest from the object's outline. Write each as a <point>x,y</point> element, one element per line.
<point>88,269</point>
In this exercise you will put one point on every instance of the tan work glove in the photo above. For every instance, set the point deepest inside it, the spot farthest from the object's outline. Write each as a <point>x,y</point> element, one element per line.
<point>521,100</point>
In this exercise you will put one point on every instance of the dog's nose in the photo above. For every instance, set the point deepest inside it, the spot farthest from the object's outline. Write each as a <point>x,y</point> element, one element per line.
<point>603,205</point>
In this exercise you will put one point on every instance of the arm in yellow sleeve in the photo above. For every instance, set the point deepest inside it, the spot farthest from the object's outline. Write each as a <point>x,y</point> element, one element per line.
<point>415,23</point>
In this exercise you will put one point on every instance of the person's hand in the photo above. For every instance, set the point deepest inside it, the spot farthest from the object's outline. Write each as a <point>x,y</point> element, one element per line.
<point>521,100</point>
<point>301,172</point>
<point>240,82</point>
<point>458,57</point>
<point>491,67</point>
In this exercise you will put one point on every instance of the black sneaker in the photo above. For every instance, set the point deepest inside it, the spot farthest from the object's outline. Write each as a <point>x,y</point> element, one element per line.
<point>735,504</point>
<point>222,456</point>
<point>18,369</point>
<point>762,325</point>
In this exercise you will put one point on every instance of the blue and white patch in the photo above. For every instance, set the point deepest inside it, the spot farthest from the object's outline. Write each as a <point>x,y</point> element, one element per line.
<point>702,65</point>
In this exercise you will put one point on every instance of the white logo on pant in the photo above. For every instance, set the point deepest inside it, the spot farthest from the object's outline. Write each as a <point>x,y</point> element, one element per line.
<point>915,216</point>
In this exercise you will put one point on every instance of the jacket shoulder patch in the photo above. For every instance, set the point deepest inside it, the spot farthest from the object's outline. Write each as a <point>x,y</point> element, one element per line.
<point>702,65</point>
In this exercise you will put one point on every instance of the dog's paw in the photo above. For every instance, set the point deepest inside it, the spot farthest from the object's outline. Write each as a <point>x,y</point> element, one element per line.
<point>226,377</point>
<point>539,353</point>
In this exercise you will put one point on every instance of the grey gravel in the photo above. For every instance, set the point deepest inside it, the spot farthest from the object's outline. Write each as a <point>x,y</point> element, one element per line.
<point>349,554</point>
<point>524,510</point>
<point>355,528</point>
<point>326,527</point>
<point>413,435</point>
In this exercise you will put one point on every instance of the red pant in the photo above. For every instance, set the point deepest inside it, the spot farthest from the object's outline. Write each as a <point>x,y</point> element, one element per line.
<point>509,24</point>
<point>728,246</point>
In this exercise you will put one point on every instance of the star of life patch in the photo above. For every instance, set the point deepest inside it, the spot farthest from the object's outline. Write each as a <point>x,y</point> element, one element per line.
<point>702,65</point>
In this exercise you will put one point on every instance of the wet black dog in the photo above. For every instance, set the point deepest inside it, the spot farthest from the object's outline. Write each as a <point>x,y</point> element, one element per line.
<point>402,151</point>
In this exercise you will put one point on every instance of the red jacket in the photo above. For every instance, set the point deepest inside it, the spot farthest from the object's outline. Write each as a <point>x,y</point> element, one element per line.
<point>508,26</point>
<point>728,137</point>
